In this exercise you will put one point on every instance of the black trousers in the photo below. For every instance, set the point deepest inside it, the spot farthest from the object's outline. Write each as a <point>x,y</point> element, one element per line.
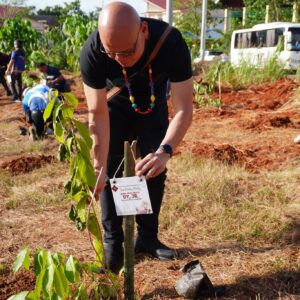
<point>149,130</point>
<point>36,117</point>
<point>16,85</point>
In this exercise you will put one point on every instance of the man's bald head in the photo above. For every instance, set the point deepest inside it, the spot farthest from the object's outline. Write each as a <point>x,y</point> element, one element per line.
<point>118,19</point>
<point>122,31</point>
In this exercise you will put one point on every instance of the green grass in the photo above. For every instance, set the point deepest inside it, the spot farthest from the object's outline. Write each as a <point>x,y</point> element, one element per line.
<point>244,75</point>
<point>226,202</point>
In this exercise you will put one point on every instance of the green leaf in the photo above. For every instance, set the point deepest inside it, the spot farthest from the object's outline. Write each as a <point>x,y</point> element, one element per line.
<point>59,132</point>
<point>32,296</point>
<point>55,297</point>
<point>86,170</point>
<point>80,225</point>
<point>61,284</point>
<point>62,152</point>
<point>49,276</point>
<point>71,99</point>
<point>81,294</point>
<point>92,268</point>
<point>84,132</point>
<point>22,260</point>
<point>81,208</point>
<point>48,110</point>
<point>81,195</point>
<point>69,144</point>
<point>93,226</point>
<point>99,252</point>
<point>58,258</point>
<point>84,150</point>
<point>20,296</point>
<point>40,260</point>
<point>71,271</point>
<point>67,187</point>
<point>67,112</point>
<point>73,213</point>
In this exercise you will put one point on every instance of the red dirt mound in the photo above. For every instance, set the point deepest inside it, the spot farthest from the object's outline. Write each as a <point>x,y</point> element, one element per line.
<point>253,157</point>
<point>25,164</point>
<point>268,96</point>
<point>270,120</point>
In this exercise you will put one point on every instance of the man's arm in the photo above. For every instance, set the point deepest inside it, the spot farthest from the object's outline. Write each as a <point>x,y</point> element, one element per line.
<point>99,129</point>
<point>10,67</point>
<point>57,79</point>
<point>182,101</point>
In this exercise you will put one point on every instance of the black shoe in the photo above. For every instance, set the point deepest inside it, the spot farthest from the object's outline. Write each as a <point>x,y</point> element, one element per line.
<point>8,93</point>
<point>155,248</point>
<point>23,130</point>
<point>114,257</point>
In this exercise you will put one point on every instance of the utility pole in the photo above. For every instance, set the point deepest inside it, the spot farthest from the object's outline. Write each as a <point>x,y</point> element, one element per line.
<point>169,10</point>
<point>203,30</point>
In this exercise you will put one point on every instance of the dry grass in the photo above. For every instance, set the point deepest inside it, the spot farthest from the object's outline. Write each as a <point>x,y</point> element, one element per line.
<point>227,203</point>
<point>240,225</point>
<point>294,103</point>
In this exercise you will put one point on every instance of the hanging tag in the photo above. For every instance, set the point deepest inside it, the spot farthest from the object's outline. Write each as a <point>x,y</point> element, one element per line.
<point>131,196</point>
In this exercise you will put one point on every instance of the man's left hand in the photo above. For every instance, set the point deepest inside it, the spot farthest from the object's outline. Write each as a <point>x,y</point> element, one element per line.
<point>152,165</point>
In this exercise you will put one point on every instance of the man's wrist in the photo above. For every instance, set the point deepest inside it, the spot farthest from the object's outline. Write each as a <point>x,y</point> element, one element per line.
<point>165,148</point>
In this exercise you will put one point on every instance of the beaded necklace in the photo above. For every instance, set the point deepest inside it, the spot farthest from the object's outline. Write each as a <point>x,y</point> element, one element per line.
<point>131,98</point>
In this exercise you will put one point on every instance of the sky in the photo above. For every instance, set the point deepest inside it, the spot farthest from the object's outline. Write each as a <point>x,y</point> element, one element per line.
<point>86,5</point>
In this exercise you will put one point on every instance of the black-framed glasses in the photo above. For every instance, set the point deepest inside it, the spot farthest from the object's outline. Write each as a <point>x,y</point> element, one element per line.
<point>122,53</point>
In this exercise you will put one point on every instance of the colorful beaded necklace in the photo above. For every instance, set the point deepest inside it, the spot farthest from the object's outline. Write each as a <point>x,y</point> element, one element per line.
<point>131,98</point>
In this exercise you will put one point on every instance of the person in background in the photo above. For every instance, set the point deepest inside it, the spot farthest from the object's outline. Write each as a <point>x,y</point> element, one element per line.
<point>34,103</point>
<point>15,68</point>
<point>54,78</point>
<point>118,49</point>
<point>4,60</point>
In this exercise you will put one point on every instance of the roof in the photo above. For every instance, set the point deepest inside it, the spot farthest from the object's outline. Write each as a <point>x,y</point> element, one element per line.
<point>45,19</point>
<point>9,11</point>
<point>232,3</point>
<point>160,3</point>
<point>226,3</point>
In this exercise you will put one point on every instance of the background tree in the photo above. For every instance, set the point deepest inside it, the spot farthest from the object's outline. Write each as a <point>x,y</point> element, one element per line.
<point>280,11</point>
<point>188,21</point>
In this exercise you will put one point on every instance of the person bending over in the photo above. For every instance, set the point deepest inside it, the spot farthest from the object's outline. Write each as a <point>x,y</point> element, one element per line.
<point>113,53</point>
<point>34,103</point>
<point>54,78</point>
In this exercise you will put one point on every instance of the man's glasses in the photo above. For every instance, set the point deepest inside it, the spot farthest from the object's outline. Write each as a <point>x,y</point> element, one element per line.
<point>122,53</point>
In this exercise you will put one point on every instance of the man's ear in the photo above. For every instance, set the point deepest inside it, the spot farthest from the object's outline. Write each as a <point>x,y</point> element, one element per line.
<point>145,29</point>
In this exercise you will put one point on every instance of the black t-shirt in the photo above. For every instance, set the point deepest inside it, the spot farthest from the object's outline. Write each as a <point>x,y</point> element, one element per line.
<point>172,63</point>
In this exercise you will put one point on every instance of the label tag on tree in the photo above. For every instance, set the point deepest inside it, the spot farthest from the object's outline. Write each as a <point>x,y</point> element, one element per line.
<point>131,196</point>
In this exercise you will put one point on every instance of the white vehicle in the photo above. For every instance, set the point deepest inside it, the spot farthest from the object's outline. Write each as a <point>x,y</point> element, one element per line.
<point>258,44</point>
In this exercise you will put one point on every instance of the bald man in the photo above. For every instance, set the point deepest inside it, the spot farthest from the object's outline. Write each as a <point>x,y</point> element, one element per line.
<point>119,48</point>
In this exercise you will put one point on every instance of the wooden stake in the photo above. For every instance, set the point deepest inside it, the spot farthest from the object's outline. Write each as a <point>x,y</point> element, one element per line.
<point>129,166</point>
<point>267,18</point>
<point>295,13</point>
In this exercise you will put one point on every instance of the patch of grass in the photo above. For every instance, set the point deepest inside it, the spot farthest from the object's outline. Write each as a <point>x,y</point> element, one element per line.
<point>11,204</point>
<point>12,143</point>
<point>245,74</point>
<point>6,182</point>
<point>226,202</point>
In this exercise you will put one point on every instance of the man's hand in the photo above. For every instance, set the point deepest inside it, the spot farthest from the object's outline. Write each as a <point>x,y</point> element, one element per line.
<point>152,165</point>
<point>7,72</point>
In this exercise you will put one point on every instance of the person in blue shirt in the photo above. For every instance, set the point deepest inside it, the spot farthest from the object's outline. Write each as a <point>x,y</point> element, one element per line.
<point>34,103</point>
<point>15,68</point>
<point>54,78</point>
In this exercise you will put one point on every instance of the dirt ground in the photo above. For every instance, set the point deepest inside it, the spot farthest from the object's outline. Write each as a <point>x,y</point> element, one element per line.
<point>253,128</point>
